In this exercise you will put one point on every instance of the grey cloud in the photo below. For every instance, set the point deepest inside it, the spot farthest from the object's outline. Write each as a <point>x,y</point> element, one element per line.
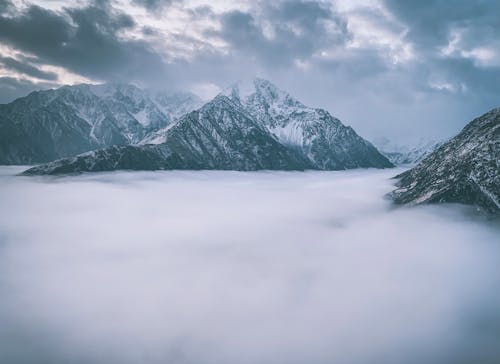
<point>156,4</point>
<point>27,69</point>
<point>12,88</point>
<point>5,6</point>
<point>202,11</point>
<point>430,21</point>
<point>83,40</point>
<point>298,31</point>
<point>36,30</point>
<point>354,63</point>
<point>431,27</point>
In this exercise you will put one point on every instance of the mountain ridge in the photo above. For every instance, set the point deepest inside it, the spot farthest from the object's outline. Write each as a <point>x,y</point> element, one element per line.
<point>465,170</point>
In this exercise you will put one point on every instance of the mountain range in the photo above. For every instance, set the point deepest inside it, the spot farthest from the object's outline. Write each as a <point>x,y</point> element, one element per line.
<point>265,128</point>
<point>255,126</point>
<point>47,125</point>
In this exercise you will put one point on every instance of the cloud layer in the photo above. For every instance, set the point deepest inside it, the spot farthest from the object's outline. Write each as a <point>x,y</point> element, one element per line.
<point>386,67</point>
<point>230,267</point>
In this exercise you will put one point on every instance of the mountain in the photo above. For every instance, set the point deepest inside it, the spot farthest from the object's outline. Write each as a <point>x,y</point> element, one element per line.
<point>406,154</point>
<point>321,138</point>
<point>230,132</point>
<point>67,121</point>
<point>220,135</point>
<point>465,170</point>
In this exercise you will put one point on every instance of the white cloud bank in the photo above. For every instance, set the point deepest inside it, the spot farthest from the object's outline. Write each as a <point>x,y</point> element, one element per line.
<point>228,267</point>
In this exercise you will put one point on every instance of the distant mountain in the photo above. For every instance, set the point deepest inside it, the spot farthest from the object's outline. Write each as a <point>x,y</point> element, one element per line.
<point>410,154</point>
<point>266,130</point>
<point>67,121</point>
<point>464,170</point>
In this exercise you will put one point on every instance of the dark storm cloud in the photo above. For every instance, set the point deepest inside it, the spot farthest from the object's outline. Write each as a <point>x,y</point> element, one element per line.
<point>83,40</point>
<point>297,30</point>
<point>27,69</point>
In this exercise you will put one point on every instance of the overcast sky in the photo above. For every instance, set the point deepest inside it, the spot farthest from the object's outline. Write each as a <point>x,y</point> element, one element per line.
<point>401,69</point>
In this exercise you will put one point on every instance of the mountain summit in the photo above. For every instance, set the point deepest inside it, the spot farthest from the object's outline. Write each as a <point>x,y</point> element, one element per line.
<point>321,138</point>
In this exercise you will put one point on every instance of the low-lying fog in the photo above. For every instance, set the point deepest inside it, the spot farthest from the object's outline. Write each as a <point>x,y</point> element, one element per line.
<point>241,268</point>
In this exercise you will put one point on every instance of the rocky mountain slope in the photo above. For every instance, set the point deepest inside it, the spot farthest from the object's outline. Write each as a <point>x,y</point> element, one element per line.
<point>406,154</point>
<point>464,170</point>
<point>323,139</point>
<point>47,125</point>
<point>269,130</point>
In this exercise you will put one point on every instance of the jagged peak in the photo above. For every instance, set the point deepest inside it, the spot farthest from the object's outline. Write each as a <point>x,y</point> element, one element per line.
<point>239,90</point>
<point>265,86</point>
<point>262,89</point>
<point>222,100</point>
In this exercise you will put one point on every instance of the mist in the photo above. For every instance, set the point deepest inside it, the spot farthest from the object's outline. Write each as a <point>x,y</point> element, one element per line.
<point>240,267</point>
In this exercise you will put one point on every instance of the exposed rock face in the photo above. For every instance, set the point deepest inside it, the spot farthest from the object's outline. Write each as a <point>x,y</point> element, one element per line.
<point>47,125</point>
<point>464,170</point>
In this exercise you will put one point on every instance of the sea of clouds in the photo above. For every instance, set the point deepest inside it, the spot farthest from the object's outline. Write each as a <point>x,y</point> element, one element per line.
<point>233,267</point>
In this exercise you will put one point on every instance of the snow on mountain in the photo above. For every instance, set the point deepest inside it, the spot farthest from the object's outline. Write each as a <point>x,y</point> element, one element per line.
<point>174,105</point>
<point>322,138</point>
<point>47,125</point>
<point>220,135</point>
<point>409,154</point>
<point>465,170</point>
<point>267,129</point>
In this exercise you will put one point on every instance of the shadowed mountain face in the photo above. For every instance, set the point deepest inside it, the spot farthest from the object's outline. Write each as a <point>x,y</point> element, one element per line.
<point>464,170</point>
<point>267,130</point>
<point>48,125</point>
